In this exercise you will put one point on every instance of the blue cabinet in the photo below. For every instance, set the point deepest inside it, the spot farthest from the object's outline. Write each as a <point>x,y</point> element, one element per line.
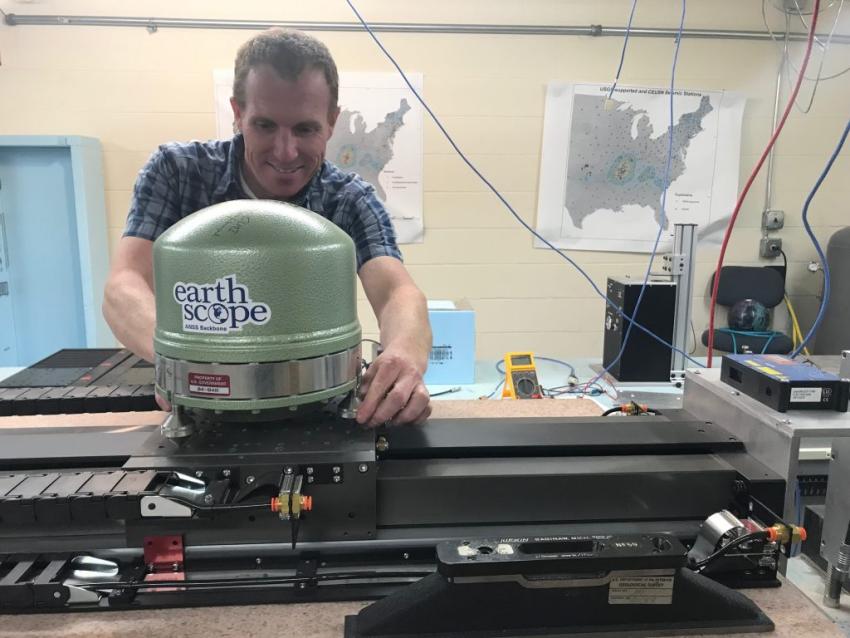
<point>53,247</point>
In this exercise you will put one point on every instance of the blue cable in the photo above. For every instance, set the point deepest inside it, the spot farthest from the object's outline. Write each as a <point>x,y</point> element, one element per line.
<point>663,219</point>
<point>504,201</point>
<point>823,261</point>
<point>501,370</point>
<point>623,52</point>
<point>496,389</point>
<point>767,335</point>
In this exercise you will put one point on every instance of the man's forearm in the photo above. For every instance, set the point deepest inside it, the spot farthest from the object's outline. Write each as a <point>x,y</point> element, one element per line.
<point>130,310</point>
<point>404,324</point>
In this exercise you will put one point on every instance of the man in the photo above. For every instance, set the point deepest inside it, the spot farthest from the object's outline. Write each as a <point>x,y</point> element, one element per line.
<point>284,103</point>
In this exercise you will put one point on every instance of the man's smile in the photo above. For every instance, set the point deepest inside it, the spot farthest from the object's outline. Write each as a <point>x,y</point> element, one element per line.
<point>285,171</point>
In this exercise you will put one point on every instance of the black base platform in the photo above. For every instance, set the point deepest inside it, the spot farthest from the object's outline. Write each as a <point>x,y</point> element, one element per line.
<point>436,608</point>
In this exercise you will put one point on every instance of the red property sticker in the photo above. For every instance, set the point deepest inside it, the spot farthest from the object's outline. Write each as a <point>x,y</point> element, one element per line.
<point>209,384</point>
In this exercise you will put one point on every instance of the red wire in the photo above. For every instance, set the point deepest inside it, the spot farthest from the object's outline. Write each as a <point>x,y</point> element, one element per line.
<point>752,178</point>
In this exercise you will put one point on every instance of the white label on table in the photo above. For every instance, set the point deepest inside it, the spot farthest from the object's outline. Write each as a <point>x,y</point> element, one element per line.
<point>641,590</point>
<point>806,395</point>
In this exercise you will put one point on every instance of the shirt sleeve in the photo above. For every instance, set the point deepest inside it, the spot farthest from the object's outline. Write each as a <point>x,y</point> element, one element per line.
<point>371,227</point>
<point>156,198</point>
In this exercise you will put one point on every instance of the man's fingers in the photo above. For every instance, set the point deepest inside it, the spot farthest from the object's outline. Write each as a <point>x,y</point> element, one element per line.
<point>394,402</point>
<point>366,379</point>
<point>376,390</point>
<point>423,416</point>
<point>417,406</point>
<point>162,403</point>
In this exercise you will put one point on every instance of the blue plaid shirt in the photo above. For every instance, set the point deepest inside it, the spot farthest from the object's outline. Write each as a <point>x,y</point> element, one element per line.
<point>180,179</point>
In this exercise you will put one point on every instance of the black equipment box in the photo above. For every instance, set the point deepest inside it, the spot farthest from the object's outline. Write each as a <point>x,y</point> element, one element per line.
<point>784,384</point>
<point>644,358</point>
<point>80,380</point>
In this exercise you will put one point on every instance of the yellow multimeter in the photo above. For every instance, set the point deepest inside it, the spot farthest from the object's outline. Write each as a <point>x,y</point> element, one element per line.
<point>521,377</point>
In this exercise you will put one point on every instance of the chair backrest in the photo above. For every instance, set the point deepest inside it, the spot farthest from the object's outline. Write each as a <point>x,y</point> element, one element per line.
<point>750,282</point>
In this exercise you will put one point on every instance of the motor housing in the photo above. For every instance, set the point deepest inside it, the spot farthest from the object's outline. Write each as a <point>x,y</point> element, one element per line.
<point>256,309</point>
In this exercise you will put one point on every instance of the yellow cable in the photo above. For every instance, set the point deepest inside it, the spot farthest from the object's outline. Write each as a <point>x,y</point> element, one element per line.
<point>798,334</point>
<point>795,325</point>
<point>794,333</point>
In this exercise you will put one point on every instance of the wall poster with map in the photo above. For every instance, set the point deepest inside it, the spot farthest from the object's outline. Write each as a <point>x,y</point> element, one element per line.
<point>379,136</point>
<point>603,162</point>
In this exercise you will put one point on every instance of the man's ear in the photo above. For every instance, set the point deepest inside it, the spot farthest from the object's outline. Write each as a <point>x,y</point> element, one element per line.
<point>237,115</point>
<point>332,117</point>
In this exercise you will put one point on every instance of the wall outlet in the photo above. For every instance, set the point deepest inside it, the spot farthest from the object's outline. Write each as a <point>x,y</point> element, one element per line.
<point>770,247</point>
<point>772,219</point>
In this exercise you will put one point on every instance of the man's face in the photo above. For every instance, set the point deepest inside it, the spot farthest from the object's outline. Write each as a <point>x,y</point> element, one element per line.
<point>286,126</point>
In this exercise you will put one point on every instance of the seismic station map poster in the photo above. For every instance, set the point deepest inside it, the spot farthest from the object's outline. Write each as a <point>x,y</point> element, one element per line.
<point>603,163</point>
<point>379,136</point>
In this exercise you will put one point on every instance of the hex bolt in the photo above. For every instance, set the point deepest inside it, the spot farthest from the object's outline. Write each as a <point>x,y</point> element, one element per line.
<point>337,479</point>
<point>258,560</point>
<point>310,471</point>
<point>287,470</point>
<point>362,468</point>
<point>382,445</point>
<point>250,480</point>
<point>57,595</point>
<point>199,473</point>
<point>208,499</point>
<point>225,473</point>
<point>336,469</point>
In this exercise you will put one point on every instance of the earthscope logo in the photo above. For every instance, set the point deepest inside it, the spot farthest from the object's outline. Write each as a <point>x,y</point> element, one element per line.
<point>224,306</point>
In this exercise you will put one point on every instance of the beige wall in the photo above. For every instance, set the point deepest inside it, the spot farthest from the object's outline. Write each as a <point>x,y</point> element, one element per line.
<point>133,90</point>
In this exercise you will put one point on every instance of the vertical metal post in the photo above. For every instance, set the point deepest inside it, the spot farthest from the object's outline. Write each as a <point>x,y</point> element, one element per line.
<point>682,271</point>
<point>771,157</point>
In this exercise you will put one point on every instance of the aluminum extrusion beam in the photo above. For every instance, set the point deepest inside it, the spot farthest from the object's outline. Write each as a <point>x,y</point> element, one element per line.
<point>595,30</point>
<point>682,266</point>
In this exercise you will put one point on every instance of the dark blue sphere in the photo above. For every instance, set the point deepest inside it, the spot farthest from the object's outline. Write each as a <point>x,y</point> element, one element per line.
<point>749,315</point>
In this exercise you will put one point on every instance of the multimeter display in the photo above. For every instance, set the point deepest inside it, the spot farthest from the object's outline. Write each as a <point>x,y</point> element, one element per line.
<point>521,360</point>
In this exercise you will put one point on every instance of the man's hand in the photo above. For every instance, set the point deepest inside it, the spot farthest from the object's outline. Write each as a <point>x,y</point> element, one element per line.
<point>393,391</point>
<point>392,388</point>
<point>162,402</point>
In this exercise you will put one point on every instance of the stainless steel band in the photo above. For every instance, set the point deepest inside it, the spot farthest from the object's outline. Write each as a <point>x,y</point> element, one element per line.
<point>257,380</point>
